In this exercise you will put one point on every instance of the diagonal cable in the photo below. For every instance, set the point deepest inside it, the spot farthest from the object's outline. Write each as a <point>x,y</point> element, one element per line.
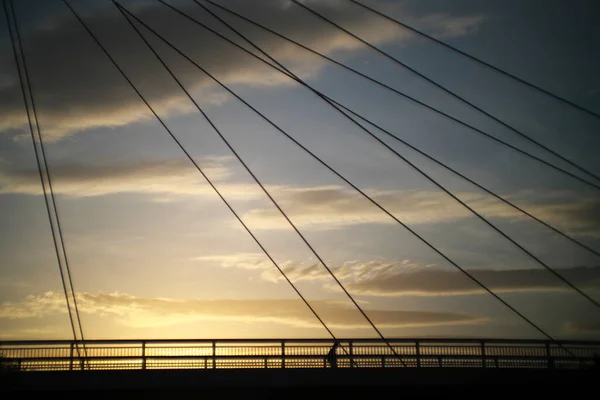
<point>255,178</point>
<point>198,168</point>
<point>291,75</point>
<point>488,191</point>
<point>479,60</point>
<point>49,178</point>
<point>531,323</point>
<point>22,81</point>
<point>211,123</point>
<point>507,202</point>
<point>448,91</point>
<point>396,91</point>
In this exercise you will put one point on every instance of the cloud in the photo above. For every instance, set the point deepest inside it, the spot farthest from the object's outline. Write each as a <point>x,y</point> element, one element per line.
<point>442,25</point>
<point>297,271</point>
<point>435,282</point>
<point>588,327</point>
<point>152,312</point>
<point>316,208</point>
<point>404,277</point>
<point>76,88</point>
<point>328,207</point>
<point>161,179</point>
<point>238,260</point>
<point>350,271</point>
<point>333,206</point>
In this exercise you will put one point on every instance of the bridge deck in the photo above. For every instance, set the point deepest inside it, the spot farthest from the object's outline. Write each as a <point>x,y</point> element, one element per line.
<point>296,354</point>
<point>255,383</point>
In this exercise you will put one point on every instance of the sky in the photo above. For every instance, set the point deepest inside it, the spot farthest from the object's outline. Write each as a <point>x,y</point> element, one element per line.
<point>154,252</point>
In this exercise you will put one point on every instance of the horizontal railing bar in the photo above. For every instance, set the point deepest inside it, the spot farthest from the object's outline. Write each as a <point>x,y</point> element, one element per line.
<point>300,341</point>
<point>304,357</point>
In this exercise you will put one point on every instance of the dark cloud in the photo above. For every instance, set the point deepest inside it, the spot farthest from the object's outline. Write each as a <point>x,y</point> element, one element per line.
<point>588,327</point>
<point>77,88</point>
<point>431,282</point>
<point>332,206</point>
<point>585,216</point>
<point>164,178</point>
<point>321,207</point>
<point>398,278</point>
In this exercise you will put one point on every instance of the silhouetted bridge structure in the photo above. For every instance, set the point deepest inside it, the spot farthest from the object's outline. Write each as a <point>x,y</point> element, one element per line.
<point>297,353</point>
<point>171,367</point>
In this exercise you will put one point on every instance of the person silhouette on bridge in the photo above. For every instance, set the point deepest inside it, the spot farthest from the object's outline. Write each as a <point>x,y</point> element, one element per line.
<point>332,356</point>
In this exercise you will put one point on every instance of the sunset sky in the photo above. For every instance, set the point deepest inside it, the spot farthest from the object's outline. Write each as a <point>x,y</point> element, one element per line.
<point>153,251</point>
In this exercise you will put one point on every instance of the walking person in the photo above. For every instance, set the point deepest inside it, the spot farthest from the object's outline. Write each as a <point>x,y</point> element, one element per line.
<point>332,356</point>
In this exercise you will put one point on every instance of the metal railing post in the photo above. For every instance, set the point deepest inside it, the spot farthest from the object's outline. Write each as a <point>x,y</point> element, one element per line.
<point>283,354</point>
<point>144,354</point>
<point>483,361</point>
<point>418,353</point>
<point>214,354</point>
<point>351,351</point>
<point>549,356</point>
<point>81,360</point>
<point>71,357</point>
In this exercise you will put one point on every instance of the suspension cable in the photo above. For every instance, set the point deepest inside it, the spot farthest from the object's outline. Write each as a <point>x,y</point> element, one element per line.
<point>23,80</point>
<point>531,323</point>
<point>479,60</point>
<point>396,91</point>
<point>197,167</point>
<point>291,75</point>
<point>331,102</point>
<point>454,171</point>
<point>448,91</point>
<point>255,178</point>
<point>51,189</point>
<point>556,230</point>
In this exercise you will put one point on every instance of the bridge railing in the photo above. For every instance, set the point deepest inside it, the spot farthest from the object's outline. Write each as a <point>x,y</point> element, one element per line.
<point>296,353</point>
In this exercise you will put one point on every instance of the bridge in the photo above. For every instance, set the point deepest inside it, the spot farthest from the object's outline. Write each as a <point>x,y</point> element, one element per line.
<point>174,367</point>
<point>92,355</point>
<point>545,222</point>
